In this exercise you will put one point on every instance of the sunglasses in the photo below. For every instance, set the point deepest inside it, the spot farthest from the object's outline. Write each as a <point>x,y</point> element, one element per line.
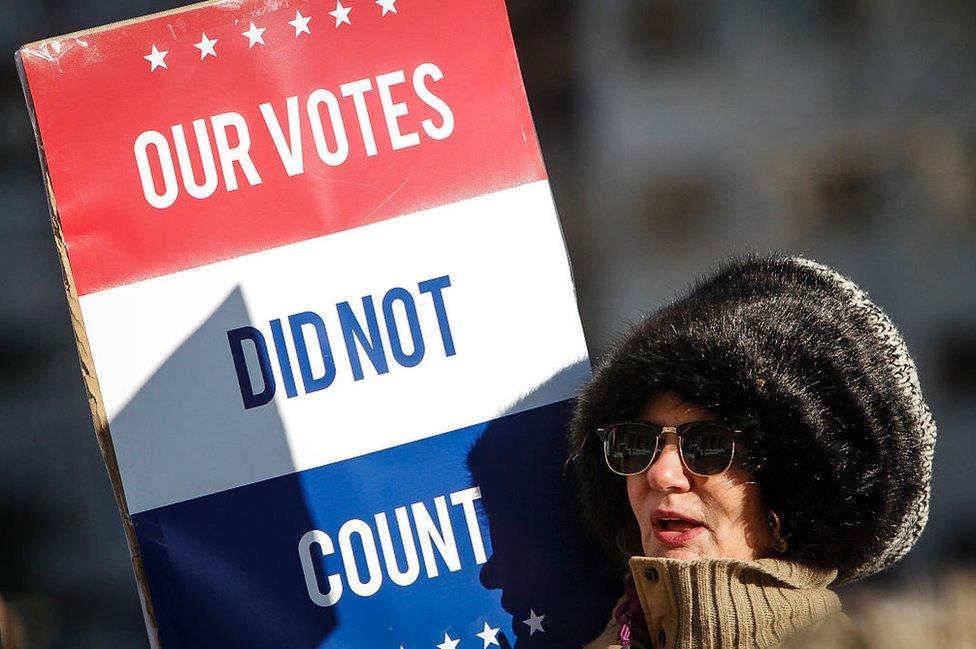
<point>705,447</point>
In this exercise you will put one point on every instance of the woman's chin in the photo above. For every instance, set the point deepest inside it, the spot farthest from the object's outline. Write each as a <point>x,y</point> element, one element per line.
<point>676,553</point>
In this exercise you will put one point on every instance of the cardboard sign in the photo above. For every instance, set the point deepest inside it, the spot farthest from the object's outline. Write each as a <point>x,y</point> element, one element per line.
<point>326,322</point>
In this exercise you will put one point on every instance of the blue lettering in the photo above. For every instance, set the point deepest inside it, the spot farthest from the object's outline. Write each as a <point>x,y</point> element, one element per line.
<point>417,338</point>
<point>361,334</point>
<point>434,287</point>
<point>352,332</point>
<point>287,376</point>
<point>296,322</point>
<point>236,338</point>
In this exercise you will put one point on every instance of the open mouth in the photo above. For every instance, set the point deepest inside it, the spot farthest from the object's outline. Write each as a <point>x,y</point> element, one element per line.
<point>676,524</point>
<point>672,528</point>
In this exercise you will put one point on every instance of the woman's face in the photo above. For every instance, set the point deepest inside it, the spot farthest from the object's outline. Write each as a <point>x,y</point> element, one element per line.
<point>685,516</point>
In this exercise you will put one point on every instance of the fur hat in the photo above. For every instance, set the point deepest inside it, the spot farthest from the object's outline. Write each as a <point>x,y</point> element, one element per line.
<point>844,440</point>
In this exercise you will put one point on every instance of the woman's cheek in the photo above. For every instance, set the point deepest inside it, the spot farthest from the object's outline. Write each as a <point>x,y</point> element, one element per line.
<point>637,496</point>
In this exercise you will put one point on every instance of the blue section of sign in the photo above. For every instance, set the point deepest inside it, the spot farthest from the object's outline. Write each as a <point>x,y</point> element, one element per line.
<point>398,548</point>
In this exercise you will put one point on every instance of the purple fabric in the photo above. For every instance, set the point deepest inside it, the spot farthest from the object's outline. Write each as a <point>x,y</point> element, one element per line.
<point>630,614</point>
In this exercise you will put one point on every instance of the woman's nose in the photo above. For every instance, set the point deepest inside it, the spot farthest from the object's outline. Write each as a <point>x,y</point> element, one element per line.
<point>667,473</point>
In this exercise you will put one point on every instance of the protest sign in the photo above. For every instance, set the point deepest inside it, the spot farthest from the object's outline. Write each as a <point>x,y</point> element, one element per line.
<point>326,322</point>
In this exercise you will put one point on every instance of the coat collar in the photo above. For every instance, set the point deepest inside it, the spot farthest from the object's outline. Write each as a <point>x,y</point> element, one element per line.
<point>712,603</point>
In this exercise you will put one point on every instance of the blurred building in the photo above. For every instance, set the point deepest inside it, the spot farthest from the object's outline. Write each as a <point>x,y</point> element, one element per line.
<point>674,133</point>
<point>842,131</point>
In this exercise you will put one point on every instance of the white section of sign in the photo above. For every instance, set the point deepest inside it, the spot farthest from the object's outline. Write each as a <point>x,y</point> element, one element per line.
<point>168,379</point>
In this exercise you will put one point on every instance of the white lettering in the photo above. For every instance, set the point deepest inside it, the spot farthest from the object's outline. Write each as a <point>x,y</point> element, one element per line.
<point>290,152</point>
<point>230,154</point>
<point>442,536</point>
<point>447,117</point>
<point>466,499</point>
<point>209,185</point>
<point>375,575</point>
<point>394,110</point>
<point>357,90</point>
<point>329,157</point>
<point>404,577</point>
<point>334,592</point>
<point>159,200</point>
<point>432,535</point>
<point>230,141</point>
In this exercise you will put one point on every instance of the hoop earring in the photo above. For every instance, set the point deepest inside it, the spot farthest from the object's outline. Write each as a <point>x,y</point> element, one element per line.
<point>622,542</point>
<point>778,542</point>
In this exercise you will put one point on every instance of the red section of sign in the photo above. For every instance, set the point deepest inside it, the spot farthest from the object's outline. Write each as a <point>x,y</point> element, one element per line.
<point>95,94</point>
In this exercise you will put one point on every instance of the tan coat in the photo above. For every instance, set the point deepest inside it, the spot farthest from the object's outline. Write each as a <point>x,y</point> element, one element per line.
<point>725,603</point>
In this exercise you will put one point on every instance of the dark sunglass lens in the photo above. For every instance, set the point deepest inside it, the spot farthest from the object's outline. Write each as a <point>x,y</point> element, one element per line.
<point>707,449</point>
<point>629,448</point>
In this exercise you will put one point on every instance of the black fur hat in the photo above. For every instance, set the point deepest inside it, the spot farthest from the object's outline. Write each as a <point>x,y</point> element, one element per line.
<point>844,443</point>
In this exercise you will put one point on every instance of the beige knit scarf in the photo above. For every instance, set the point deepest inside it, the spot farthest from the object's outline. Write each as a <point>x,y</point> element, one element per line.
<point>723,603</point>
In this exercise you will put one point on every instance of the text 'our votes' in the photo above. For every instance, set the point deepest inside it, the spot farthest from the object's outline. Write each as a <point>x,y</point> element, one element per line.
<point>399,311</point>
<point>166,165</point>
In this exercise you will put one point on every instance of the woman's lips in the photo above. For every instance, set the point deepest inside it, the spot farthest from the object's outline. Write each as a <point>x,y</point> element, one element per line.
<point>673,528</point>
<point>674,537</point>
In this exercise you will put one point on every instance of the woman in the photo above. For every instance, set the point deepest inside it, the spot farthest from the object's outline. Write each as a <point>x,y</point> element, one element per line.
<point>746,446</point>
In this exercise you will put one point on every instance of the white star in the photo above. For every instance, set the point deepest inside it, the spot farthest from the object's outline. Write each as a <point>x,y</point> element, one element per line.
<point>206,47</point>
<point>534,622</point>
<point>341,14</point>
<point>488,635</point>
<point>156,59</point>
<point>300,24</point>
<point>254,35</point>
<point>448,643</point>
<point>388,6</point>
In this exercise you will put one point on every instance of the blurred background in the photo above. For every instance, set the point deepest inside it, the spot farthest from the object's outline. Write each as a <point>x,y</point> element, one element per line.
<point>675,133</point>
